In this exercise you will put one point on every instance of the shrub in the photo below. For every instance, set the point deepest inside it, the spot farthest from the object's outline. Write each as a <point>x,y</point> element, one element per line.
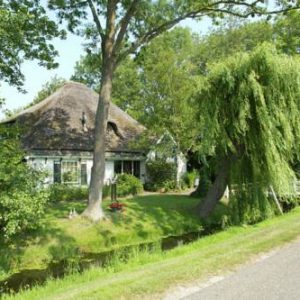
<point>189,178</point>
<point>21,211</point>
<point>63,192</point>
<point>22,202</point>
<point>160,173</point>
<point>128,185</point>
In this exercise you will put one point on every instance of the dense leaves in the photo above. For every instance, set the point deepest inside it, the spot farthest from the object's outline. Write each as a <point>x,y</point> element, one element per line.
<point>160,174</point>
<point>250,109</point>
<point>25,31</point>
<point>128,185</point>
<point>234,35</point>
<point>48,89</point>
<point>21,201</point>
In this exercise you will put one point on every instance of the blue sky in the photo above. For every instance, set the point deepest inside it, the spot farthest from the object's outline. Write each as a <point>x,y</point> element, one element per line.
<point>69,52</point>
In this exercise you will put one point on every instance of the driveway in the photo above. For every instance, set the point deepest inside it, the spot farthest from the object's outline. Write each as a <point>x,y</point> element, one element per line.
<point>275,276</point>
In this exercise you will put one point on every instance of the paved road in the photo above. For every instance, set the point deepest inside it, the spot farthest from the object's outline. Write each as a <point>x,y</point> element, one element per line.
<point>276,277</point>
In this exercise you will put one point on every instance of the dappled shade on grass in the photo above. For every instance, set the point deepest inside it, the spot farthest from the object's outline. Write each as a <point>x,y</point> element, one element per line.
<point>144,219</point>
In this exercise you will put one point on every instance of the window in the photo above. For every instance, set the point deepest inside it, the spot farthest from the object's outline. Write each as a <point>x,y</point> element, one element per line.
<point>83,174</point>
<point>118,167</point>
<point>70,172</point>
<point>137,168</point>
<point>128,167</point>
<point>57,172</point>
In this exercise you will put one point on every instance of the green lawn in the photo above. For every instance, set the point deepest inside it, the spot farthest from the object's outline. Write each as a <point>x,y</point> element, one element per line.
<point>149,275</point>
<point>146,218</point>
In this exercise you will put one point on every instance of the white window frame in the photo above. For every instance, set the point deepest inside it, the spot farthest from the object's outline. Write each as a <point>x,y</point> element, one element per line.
<point>64,166</point>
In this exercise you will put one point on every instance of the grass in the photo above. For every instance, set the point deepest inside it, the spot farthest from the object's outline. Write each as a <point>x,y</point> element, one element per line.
<point>147,274</point>
<point>145,219</point>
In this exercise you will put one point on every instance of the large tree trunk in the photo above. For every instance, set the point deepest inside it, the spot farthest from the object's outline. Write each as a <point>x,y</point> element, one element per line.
<point>94,210</point>
<point>217,189</point>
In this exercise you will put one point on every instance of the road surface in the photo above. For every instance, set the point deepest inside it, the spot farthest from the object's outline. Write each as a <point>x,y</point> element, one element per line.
<point>273,278</point>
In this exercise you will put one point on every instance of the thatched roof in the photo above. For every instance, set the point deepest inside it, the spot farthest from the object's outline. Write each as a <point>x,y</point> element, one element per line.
<point>56,122</point>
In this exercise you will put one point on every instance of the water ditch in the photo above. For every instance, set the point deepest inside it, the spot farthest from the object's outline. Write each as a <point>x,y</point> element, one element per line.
<point>29,278</point>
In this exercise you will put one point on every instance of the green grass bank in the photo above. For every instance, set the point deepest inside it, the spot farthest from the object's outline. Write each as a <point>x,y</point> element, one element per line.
<point>148,274</point>
<point>145,219</point>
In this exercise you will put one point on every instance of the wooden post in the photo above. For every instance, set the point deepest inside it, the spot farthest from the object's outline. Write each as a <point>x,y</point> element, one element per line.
<point>276,200</point>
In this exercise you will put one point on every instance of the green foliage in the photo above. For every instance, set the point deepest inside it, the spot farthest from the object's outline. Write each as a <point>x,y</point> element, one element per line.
<point>48,89</point>
<point>230,37</point>
<point>234,35</point>
<point>22,202</point>
<point>63,192</point>
<point>87,70</point>
<point>161,269</point>
<point>287,32</point>
<point>250,111</point>
<point>127,85</point>
<point>24,33</point>
<point>189,178</point>
<point>161,174</point>
<point>128,185</point>
<point>158,99</point>
<point>249,207</point>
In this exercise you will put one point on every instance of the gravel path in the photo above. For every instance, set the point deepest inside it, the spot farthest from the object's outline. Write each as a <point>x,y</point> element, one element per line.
<point>276,276</point>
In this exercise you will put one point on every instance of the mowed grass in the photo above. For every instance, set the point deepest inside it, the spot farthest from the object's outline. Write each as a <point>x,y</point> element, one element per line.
<point>150,275</point>
<point>145,219</point>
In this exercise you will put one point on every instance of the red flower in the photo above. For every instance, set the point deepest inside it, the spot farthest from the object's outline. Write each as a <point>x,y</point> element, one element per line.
<point>116,205</point>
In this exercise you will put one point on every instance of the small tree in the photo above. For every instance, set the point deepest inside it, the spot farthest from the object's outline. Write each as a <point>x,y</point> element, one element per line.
<point>250,111</point>
<point>22,203</point>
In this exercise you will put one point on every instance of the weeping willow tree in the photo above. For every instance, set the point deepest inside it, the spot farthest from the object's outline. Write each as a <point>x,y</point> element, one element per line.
<point>249,113</point>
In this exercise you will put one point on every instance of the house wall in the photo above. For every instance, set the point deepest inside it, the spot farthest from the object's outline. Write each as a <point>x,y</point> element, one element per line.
<point>109,171</point>
<point>181,166</point>
<point>43,164</point>
<point>47,164</point>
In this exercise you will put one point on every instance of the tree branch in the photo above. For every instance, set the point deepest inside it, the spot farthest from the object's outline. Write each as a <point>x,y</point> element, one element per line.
<point>204,11</point>
<point>96,19</point>
<point>124,25</point>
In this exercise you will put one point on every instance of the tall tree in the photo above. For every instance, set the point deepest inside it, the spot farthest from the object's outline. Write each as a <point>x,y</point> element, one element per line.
<point>127,84</point>
<point>127,26</point>
<point>287,32</point>
<point>156,86</point>
<point>169,77</point>
<point>235,35</point>
<point>25,31</point>
<point>250,109</point>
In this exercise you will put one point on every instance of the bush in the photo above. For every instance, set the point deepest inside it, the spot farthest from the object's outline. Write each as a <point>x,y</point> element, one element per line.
<point>63,192</point>
<point>161,175</point>
<point>21,211</point>
<point>189,178</point>
<point>22,203</point>
<point>128,185</point>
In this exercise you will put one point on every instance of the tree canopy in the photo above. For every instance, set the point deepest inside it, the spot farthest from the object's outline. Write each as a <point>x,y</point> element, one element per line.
<point>249,114</point>
<point>25,31</point>
<point>121,28</point>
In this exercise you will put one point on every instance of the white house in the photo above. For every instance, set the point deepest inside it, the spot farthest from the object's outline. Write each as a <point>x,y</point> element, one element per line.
<point>58,136</point>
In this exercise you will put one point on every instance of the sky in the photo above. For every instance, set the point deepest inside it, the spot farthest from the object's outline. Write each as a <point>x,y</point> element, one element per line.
<point>70,51</point>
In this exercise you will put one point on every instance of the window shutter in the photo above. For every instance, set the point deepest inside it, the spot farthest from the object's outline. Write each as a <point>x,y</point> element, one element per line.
<point>83,174</point>
<point>57,172</point>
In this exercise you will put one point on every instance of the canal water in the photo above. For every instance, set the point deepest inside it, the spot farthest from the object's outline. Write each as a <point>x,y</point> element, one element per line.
<point>28,278</point>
